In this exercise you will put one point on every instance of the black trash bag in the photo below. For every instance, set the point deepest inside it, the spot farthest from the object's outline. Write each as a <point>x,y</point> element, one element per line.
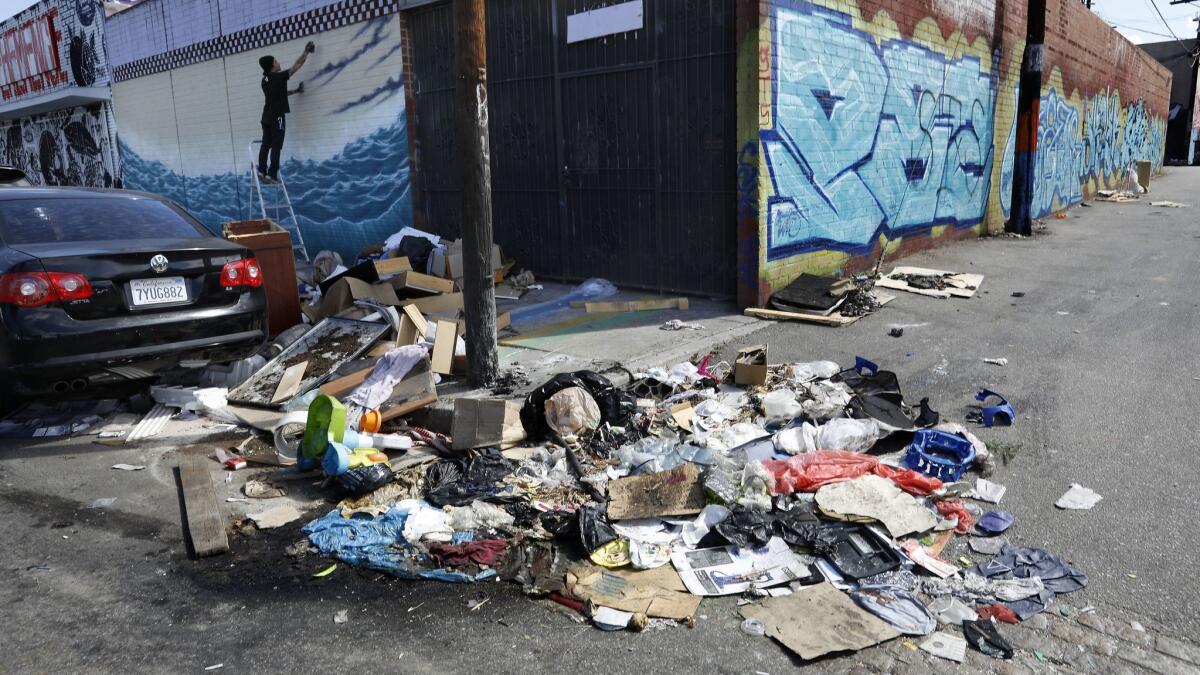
<point>523,514</point>
<point>616,406</point>
<point>364,479</point>
<point>460,481</point>
<point>745,527</point>
<point>588,528</point>
<point>984,636</point>
<point>417,250</point>
<point>749,528</point>
<point>877,396</point>
<point>807,293</point>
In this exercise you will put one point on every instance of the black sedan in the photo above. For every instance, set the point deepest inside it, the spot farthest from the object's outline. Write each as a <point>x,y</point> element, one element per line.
<point>99,286</point>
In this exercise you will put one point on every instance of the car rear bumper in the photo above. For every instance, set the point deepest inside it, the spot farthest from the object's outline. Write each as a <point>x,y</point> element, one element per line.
<point>52,346</point>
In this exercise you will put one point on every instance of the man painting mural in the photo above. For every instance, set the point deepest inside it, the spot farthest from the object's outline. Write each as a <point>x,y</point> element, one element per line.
<point>275,110</point>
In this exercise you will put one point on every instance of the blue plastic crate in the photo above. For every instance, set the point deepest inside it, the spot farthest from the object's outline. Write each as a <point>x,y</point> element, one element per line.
<point>943,455</point>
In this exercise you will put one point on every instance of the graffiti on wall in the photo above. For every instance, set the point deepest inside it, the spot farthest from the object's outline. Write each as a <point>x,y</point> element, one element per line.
<point>870,138</point>
<point>1095,141</point>
<point>65,147</point>
<point>345,157</point>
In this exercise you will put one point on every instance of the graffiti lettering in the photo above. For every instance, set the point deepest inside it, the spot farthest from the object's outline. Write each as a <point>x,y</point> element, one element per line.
<point>886,140</point>
<point>29,57</point>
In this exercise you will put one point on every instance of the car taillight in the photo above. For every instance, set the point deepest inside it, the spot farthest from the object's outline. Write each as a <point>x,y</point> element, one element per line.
<point>242,273</point>
<point>34,289</point>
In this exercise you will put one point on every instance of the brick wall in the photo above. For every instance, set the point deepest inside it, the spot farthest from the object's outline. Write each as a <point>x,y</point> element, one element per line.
<point>887,126</point>
<point>186,117</point>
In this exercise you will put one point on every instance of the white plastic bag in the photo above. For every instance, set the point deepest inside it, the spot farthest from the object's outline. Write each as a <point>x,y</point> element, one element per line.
<point>781,406</point>
<point>814,370</point>
<point>797,439</point>
<point>848,434</point>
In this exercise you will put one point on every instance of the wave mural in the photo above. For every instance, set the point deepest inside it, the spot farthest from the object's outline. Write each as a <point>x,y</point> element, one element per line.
<point>357,197</point>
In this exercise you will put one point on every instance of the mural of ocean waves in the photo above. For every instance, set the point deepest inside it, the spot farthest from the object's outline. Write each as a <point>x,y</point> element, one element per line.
<point>355,198</point>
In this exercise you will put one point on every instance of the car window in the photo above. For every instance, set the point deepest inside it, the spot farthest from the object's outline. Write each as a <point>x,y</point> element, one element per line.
<point>49,221</point>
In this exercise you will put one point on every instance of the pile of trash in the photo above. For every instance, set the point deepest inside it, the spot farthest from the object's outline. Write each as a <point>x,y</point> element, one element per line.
<point>630,502</point>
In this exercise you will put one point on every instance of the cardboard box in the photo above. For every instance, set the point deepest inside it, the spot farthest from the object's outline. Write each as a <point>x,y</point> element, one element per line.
<point>450,264</point>
<point>750,367</point>
<point>415,283</point>
<point>370,271</point>
<point>344,292</point>
<point>444,343</point>
<point>1144,169</point>
<point>480,423</point>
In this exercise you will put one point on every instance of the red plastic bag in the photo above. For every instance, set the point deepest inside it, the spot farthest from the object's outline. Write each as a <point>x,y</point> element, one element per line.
<point>809,471</point>
<point>998,612</point>
<point>955,507</point>
<point>912,482</point>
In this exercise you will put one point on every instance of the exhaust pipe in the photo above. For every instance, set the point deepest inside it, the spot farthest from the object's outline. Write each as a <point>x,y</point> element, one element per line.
<point>61,387</point>
<point>79,384</point>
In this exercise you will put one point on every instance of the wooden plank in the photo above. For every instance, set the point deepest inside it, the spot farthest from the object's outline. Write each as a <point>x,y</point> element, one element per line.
<point>835,319</point>
<point>443,347</point>
<point>389,266</point>
<point>289,384</point>
<point>205,525</point>
<point>344,385</point>
<point>631,305</point>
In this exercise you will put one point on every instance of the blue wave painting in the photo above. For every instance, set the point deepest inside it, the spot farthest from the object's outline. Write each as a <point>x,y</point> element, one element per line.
<point>355,198</point>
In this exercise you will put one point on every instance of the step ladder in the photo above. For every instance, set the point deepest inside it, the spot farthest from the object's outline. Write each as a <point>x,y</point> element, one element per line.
<point>272,202</point>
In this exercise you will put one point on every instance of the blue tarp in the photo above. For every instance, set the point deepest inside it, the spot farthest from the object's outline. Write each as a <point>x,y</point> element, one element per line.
<point>378,543</point>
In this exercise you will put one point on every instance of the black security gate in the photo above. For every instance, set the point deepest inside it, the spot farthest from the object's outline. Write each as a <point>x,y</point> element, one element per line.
<point>612,157</point>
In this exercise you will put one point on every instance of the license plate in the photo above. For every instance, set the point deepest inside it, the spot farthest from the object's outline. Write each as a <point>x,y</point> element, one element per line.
<point>158,291</point>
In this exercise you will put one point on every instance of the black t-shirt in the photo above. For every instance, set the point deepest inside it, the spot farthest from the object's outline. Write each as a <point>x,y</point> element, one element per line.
<point>274,86</point>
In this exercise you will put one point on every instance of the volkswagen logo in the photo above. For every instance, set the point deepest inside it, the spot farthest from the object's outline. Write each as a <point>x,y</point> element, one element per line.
<point>159,263</point>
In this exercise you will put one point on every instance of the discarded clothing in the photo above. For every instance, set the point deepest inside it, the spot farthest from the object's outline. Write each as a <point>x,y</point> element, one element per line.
<point>897,607</point>
<point>483,553</point>
<point>995,522</point>
<point>376,543</point>
<point>1019,565</point>
<point>984,636</point>
<point>391,368</point>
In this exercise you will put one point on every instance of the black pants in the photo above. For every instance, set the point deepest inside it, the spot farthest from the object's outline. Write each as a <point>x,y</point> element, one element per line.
<point>273,129</point>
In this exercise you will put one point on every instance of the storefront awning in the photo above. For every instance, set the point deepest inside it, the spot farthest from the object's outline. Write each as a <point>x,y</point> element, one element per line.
<point>55,100</point>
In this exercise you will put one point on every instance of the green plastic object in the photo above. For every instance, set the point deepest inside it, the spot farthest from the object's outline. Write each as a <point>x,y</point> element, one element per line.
<point>326,422</point>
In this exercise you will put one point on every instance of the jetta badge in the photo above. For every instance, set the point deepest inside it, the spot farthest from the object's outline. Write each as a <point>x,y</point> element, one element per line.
<point>159,263</point>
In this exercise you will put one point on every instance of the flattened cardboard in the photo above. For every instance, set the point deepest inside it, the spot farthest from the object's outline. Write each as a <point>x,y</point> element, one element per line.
<point>443,347</point>
<point>345,291</point>
<point>683,414</point>
<point>819,620</point>
<point>370,271</point>
<point>750,367</point>
<point>676,492</point>
<point>630,592</point>
<point>836,319</point>
<point>447,304</point>
<point>481,423</point>
<point>958,285</point>
<point>289,384</point>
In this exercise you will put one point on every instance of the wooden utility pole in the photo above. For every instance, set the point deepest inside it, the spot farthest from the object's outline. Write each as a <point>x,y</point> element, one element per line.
<point>474,154</point>
<point>1029,101</point>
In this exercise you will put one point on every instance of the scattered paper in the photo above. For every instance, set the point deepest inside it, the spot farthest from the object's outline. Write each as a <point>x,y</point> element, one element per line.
<point>917,553</point>
<point>607,618</point>
<point>946,646</point>
<point>1168,205</point>
<point>1078,498</point>
<point>875,498</point>
<point>729,570</point>
<point>342,616</point>
<point>259,489</point>
<point>997,362</point>
<point>101,503</point>
<point>819,620</point>
<point>987,491</point>
<point>128,467</point>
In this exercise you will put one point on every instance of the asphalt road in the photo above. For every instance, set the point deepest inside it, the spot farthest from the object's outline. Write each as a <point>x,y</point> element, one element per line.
<point>1102,370</point>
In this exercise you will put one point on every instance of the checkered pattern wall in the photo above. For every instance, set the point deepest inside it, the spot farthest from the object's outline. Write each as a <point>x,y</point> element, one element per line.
<point>324,18</point>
